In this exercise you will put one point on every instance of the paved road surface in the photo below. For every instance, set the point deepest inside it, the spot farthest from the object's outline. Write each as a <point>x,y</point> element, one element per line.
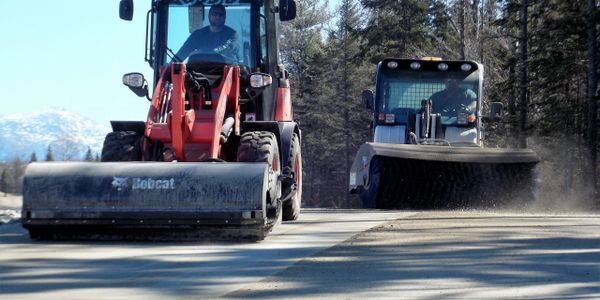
<point>333,254</point>
<point>452,255</point>
<point>125,270</point>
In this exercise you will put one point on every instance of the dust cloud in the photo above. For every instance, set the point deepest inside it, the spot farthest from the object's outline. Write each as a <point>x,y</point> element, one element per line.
<point>560,183</point>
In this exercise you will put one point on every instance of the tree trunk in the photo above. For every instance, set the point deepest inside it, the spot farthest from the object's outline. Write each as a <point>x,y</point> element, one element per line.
<point>475,12</point>
<point>477,20</point>
<point>346,117</point>
<point>463,51</point>
<point>523,102</point>
<point>481,31</point>
<point>513,136</point>
<point>592,86</point>
<point>348,157</point>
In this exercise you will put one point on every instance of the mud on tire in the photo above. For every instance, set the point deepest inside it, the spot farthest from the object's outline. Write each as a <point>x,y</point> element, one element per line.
<point>122,146</point>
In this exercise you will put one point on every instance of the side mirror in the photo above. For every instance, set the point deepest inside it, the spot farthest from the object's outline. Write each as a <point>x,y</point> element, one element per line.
<point>136,83</point>
<point>495,112</point>
<point>126,10</point>
<point>367,98</point>
<point>287,10</point>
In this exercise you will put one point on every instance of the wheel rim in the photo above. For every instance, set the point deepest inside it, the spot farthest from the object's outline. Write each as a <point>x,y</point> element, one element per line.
<point>275,164</point>
<point>298,175</point>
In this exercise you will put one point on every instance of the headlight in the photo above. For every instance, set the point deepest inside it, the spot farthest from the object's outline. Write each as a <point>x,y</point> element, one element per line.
<point>443,66</point>
<point>415,65</point>
<point>392,64</point>
<point>465,67</point>
<point>260,80</point>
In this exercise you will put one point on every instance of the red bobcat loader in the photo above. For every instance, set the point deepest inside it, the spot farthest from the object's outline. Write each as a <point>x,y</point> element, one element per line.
<point>218,156</point>
<point>427,150</point>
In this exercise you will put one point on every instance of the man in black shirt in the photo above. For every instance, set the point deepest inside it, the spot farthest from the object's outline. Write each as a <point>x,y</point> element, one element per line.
<point>454,98</point>
<point>215,38</point>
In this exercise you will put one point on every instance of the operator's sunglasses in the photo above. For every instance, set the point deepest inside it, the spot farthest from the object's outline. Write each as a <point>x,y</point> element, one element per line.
<point>217,14</point>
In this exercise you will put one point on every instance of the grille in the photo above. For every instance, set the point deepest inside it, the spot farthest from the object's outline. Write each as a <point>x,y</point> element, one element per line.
<point>409,95</point>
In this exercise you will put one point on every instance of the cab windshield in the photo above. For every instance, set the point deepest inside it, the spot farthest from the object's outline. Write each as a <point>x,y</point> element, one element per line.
<point>451,93</point>
<point>190,35</point>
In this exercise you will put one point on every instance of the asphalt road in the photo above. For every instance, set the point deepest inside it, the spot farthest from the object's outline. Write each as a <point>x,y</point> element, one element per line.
<point>451,255</point>
<point>348,254</point>
<point>126,270</point>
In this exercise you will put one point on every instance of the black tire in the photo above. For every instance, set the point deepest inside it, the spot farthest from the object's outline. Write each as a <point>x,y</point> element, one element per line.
<point>40,235</point>
<point>122,146</point>
<point>371,194</point>
<point>291,208</point>
<point>261,146</point>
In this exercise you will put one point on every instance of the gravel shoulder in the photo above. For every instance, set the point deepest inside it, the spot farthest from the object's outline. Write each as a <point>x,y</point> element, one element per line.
<point>452,255</point>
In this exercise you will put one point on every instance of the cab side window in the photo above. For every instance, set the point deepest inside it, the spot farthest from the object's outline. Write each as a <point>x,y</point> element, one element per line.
<point>263,38</point>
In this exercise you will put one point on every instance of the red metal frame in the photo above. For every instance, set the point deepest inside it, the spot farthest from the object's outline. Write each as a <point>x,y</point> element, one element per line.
<point>193,134</point>
<point>283,103</point>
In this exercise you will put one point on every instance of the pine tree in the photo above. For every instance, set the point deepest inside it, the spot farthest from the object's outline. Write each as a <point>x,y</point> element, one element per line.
<point>88,155</point>
<point>592,95</point>
<point>49,154</point>
<point>397,29</point>
<point>445,41</point>
<point>18,169</point>
<point>523,100</point>
<point>349,79</point>
<point>33,157</point>
<point>554,88</point>
<point>5,181</point>
<point>303,53</point>
<point>534,54</point>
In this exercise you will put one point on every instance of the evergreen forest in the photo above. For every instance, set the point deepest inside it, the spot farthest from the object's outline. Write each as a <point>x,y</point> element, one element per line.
<point>540,60</point>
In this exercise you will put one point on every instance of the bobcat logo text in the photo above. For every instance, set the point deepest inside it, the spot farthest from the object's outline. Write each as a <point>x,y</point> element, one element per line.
<point>136,183</point>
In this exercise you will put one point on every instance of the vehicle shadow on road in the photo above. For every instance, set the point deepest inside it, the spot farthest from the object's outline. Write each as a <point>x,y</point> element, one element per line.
<point>161,270</point>
<point>423,256</point>
<point>42,269</point>
<point>453,257</point>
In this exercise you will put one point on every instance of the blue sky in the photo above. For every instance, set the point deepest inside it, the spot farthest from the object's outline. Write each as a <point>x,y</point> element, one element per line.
<point>72,55</point>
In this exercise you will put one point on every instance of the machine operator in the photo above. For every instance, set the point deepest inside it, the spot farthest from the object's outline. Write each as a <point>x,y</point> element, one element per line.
<point>214,38</point>
<point>453,98</point>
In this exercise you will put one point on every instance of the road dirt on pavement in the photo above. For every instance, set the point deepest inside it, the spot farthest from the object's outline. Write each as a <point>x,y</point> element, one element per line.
<point>326,254</point>
<point>168,270</point>
<point>452,255</point>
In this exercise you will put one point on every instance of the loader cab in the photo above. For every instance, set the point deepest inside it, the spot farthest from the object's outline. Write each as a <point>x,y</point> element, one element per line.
<point>448,91</point>
<point>170,23</point>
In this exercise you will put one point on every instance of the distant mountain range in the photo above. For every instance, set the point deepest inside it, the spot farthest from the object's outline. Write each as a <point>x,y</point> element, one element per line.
<point>68,134</point>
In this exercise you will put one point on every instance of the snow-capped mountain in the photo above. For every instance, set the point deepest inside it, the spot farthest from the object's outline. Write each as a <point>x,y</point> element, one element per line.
<point>68,134</point>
